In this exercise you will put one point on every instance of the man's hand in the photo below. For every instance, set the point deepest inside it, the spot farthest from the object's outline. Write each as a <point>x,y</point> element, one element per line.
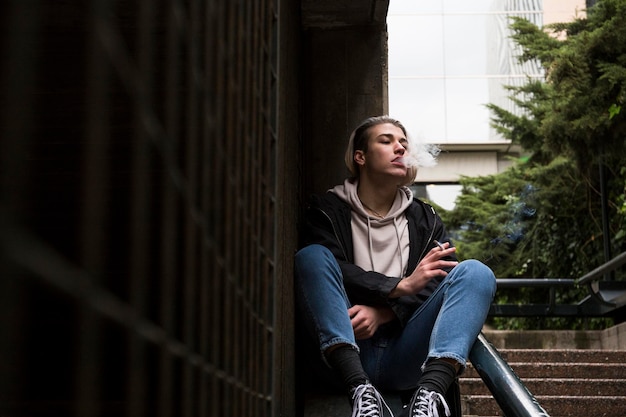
<point>430,266</point>
<point>366,319</point>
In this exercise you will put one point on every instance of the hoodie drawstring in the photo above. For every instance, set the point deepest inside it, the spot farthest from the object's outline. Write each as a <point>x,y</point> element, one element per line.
<point>371,246</point>
<point>399,240</point>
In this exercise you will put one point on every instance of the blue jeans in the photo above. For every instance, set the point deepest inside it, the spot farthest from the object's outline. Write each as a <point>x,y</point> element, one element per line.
<point>444,326</point>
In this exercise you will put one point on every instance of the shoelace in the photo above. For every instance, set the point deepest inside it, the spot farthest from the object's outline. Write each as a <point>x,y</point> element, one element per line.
<point>426,404</point>
<point>367,401</point>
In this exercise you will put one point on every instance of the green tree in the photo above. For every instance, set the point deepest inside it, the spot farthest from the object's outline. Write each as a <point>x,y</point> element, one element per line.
<point>578,107</point>
<point>543,217</point>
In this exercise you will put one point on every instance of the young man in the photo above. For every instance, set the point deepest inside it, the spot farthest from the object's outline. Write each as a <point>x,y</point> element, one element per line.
<point>378,286</point>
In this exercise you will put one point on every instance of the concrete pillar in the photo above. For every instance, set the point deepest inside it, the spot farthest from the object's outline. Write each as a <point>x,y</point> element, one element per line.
<point>345,81</point>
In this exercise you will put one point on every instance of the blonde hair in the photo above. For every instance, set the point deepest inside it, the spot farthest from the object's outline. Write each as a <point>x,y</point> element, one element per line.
<point>420,156</point>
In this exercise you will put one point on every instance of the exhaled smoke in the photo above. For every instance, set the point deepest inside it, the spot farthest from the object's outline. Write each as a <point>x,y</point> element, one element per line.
<point>520,210</point>
<point>421,154</point>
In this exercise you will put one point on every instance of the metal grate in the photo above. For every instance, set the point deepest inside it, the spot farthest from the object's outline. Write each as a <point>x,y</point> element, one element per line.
<point>137,222</point>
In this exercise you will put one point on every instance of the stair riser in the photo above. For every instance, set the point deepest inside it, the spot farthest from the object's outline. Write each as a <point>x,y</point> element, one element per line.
<point>562,370</point>
<point>476,386</point>
<point>567,356</point>
<point>555,406</point>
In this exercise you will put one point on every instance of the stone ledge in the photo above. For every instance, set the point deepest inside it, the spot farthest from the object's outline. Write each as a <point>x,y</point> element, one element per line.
<point>613,338</point>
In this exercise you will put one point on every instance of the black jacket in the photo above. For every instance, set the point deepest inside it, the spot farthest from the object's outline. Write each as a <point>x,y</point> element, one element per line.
<point>328,223</point>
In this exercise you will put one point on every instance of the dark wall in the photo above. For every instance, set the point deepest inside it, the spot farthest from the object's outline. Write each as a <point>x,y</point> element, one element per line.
<point>147,209</point>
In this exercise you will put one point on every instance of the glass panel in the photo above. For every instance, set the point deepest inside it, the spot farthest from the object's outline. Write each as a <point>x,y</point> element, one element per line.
<point>457,6</point>
<point>465,45</point>
<point>417,45</point>
<point>412,6</point>
<point>420,106</point>
<point>468,118</point>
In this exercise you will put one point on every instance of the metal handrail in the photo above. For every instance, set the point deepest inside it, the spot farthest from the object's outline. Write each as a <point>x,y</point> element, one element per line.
<point>550,283</point>
<point>597,273</point>
<point>535,282</point>
<point>507,389</point>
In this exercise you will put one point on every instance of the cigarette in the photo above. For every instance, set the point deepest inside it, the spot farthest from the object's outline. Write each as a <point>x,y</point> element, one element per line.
<point>438,244</point>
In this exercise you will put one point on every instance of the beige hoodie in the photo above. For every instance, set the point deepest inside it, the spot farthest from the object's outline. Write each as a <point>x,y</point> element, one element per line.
<point>380,245</point>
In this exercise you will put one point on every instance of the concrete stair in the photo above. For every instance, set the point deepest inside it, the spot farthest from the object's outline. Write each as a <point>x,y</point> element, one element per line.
<point>570,373</point>
<point>565,382</point>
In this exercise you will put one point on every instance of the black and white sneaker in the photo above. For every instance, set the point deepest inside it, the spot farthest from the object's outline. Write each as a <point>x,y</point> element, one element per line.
<point>367,402</point>
<point>427,403</point>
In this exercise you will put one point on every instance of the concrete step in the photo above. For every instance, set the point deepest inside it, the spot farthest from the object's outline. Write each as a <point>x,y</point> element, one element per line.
<point>555,406</point>
<point>611,338</point>
<point>563,355</point>
<point>565,382</point>
<point>555,386</point>
<point>563,370</point>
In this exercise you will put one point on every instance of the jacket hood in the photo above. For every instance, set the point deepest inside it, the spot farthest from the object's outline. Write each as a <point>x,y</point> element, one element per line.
<point>348,193</point>
<point>380,245</point>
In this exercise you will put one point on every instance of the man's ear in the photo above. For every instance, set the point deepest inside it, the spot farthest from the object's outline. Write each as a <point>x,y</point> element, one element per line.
<point>359,157</point>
